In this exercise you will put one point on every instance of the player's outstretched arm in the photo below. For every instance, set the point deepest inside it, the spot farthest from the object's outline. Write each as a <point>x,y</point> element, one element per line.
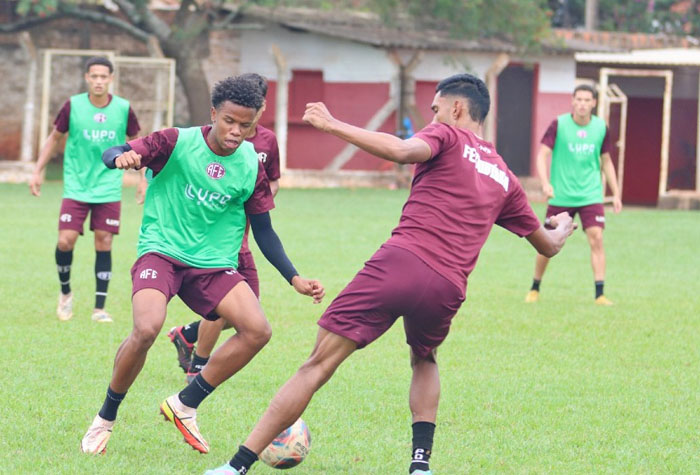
<point>45,155</point>
<point>549,242</point>
<point>611,179</point>
<point>270,245</point>
<point>386,146</point>
<point>542,164</point>
<point>122,157</point>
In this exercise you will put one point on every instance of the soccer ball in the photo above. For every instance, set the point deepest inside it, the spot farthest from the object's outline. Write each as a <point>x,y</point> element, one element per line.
<point>289,448</point>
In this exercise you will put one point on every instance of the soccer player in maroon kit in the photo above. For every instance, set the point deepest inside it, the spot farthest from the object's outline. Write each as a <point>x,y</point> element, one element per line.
<point>460,189</point>
<point>207,332</point>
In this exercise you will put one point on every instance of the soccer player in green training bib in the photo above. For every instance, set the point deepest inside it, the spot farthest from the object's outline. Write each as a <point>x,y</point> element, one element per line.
<point>192,360</point>
<point>577,144</point>
<point>206,181</point>
<point>94,121</point>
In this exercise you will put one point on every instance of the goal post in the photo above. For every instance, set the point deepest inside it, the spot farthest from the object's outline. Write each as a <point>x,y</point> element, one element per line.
<point>147,83</point>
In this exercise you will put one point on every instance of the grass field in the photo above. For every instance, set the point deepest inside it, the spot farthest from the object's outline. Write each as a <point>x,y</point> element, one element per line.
<point>558,387</point>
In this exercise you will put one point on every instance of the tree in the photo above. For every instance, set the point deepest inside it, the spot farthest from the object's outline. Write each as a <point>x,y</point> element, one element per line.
<point>678,17</point>
<point>185,39</point>
<point>523,22</point>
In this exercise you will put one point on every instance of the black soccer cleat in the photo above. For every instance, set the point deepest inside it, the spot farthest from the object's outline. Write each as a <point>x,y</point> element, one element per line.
<point>184,347</point>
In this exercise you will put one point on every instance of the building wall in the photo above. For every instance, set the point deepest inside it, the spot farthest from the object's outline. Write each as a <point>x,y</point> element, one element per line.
<point>555,83</point>
<point>355,80</point>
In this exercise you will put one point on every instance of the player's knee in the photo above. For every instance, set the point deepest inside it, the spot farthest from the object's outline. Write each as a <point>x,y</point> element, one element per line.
<point>418,359</point>
<point>65,243</point>
<point>103,241</point>
<point>596,242</point>
<point>260,335</point>
<point>319,368</point>
<point>145,335</point>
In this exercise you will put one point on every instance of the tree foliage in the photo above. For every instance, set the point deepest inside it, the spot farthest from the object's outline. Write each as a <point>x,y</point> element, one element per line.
<point>680,17</point>
<point>523,22</point>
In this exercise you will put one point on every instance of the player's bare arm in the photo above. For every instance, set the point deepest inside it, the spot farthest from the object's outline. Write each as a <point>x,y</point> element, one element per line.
<point>549,242</point>
<point>47,151</point>
<point>543,157</point>
<point>386,146</point>
<point>274,187</point>
<point>611,178</point>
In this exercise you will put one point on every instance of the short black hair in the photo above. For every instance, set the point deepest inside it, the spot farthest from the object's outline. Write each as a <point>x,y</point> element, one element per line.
<point>100,60</point>
<point>257,79</point>
<point>237,90</point>
<point>471,88</point>
<point>586,87</point>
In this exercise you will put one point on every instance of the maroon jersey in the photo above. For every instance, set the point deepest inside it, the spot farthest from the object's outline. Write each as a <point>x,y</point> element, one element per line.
<point>456,197</point>
<point>550,137</point>
<point>155,150</point>
<point>265,143</point>
<point>63,120</point>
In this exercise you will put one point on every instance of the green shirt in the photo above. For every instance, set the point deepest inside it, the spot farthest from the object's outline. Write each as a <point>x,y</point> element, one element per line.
<point>91,131</point>
<point>575,174</point>
<point>194,210</point>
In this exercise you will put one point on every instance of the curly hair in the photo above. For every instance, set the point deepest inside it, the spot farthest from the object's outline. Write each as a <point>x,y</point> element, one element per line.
<point>99,60</point>
<point>471,88</point>
<point>237,90</point>
<point>257,79</point>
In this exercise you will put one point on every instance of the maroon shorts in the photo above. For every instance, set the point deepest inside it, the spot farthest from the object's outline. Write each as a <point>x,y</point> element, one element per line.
<point>103,216</point>
<point>246,267</point>
<point>200,289</point>
<point>395,282</point>
<point>591,215</point>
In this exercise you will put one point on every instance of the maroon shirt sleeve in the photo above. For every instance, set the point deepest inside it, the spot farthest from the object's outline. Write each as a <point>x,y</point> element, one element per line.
<point>550,135</point>
<point>63,118</point>
<point>517,215</point>
<point>272,164</point>
<point>437,136</point>
<point>132,126</point>
<point>261,200</point>
<point>155,149</point>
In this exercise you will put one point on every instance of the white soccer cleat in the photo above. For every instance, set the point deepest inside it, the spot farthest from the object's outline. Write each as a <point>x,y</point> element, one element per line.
<point>185,419</point>
<point>96,438</point>
<point>223,470</point>
<point>100,316</point>
<point>65,307</point>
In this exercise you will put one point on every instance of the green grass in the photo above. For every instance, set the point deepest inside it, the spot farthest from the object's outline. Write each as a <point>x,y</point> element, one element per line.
<point>559,387</point>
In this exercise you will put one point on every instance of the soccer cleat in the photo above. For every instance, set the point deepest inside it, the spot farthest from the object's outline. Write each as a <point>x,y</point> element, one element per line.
<point>96,438</point>
<point>100,316</point>
<point>185,419</point>
<point>184,347</point>
<point>65,307</point>
<point>603,300</point>
<point>223,470</point>
<point>532,296</point>
<point>421,472</point>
